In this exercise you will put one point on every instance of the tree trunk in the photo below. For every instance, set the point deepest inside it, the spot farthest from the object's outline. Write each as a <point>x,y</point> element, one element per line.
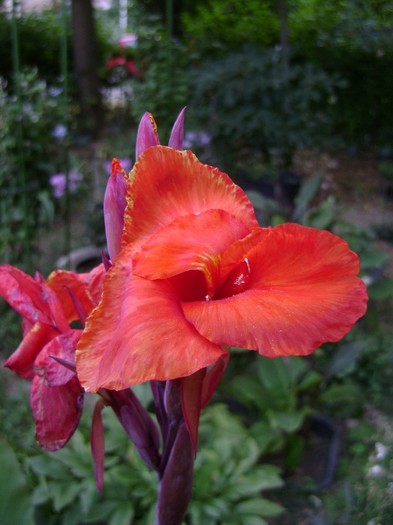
<point>85,50</point>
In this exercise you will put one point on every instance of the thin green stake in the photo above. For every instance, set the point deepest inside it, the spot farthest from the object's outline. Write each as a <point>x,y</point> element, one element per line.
<point>19,138</point>
<point>66,120</point>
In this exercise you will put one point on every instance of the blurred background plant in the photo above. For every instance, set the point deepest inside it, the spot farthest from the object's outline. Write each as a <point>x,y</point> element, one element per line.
<point>255,104</point>
<point>293,99</point>
<point>29,155</point>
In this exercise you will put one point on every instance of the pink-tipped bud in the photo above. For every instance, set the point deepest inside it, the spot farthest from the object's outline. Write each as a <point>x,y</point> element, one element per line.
<point>147,135</point>
<point>177,133</point>
<point>114,206</point>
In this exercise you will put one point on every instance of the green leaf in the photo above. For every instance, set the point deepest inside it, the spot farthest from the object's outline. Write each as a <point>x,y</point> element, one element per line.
<point>265,477</point>
<point>288,421</point>
<point>346,398</point>
<point>264,435</point>
<point>310,380</point>
<point>72,515</point>
<point>123,515</point>
<point>260,507</point>
<point>381,290</point>
<point>274,374</point>
<point>323,216</point>
<point>63,493</point>
<point>307,192</point>
<point>41,493</point>
<point>15,501</point>
<point>372,259</point>
<point>253,520</point>
<point>345,359</point>
<point>253,453</point>
<point>45,465</point>
<point>101,511</point>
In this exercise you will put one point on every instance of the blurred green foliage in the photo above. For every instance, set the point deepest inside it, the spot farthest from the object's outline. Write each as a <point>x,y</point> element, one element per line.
<point>165,86</point>
<point>15,500</point>
<point>29,156</point>
<point>350,40</point>
<point>252,100</point>
<point>218,25</point>
<point>39,38</point>
<point>40,35</point>
<point>229,479</point>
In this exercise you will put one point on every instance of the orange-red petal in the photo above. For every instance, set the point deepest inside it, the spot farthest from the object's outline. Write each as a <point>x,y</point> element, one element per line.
<point>87,287</point>
<point>303,291</point>
<point>22,360</point>
<point>192,242</point>
<point>138,333</point>
<point>166,184</point>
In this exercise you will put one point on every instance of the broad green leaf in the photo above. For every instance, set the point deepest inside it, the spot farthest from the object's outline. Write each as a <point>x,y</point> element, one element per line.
<point>324,215</point>
<point>346,398</point>
<point>345,359</point>
<point>253,520</point>
<point>259,506</point>
<point>123,515</point>
<point>274,374</point>
<point>249,461</point>
<point>288,421</point>
<point>88,494</point>
<point>72,515</point>
<point>310,380</point>
<point>63,493</point>
<point>373,259</point>
<point>306,193</point>
<point>381,290</point>
<point>264,435</point>
<point>101,511</point>
<point>264,477</point>
<point>296,367</point>
<point>45,465</point>
<point>15,501</point>
<point>41,493</point>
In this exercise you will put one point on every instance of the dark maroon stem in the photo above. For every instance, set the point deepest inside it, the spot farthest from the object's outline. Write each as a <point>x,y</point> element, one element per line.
<point>175,484</point>
<point>176,468</point>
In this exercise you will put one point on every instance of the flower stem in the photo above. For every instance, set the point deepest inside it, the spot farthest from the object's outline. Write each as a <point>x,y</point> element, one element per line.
<point>175,483</point>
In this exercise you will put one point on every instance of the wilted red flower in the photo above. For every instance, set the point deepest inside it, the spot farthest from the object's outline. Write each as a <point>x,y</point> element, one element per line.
<point>196,274</point>
<point>46,355</point>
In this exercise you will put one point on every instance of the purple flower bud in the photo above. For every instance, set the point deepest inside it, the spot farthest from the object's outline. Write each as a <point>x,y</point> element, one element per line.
<point>114,206</point>
<point>177,133</point>
<point>138,424</point>
<point>147,135</point>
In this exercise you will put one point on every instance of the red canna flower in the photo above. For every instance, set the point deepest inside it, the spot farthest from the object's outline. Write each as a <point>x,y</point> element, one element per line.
<point>190,274</point>
<point>196,274</point>
<point>46,355</point>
